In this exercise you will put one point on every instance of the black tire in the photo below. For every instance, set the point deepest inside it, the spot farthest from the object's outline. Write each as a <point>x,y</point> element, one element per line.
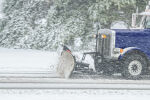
<point>133,65</point>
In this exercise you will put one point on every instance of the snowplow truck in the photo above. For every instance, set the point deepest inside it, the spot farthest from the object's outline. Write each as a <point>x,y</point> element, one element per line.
<point>125,51</point>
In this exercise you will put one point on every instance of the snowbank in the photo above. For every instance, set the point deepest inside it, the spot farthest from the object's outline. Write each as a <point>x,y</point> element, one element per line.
<point>16,60</point>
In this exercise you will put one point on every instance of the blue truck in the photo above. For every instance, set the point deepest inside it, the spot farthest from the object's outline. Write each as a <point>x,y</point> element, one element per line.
<point>125,51</point>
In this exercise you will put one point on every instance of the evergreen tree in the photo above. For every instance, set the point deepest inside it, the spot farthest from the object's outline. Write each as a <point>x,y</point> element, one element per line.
<point>46,24</point>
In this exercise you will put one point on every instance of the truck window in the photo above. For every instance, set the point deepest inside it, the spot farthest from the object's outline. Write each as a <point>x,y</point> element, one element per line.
<point>147,22</point>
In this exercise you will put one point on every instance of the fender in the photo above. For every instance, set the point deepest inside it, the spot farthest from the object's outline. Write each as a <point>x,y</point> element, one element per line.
<point>129,49</point>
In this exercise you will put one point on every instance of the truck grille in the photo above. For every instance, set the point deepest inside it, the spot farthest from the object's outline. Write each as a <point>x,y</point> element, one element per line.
<point>105,44</point>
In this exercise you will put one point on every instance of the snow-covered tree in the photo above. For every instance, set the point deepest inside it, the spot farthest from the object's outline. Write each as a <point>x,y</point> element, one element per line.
<point>22,16</point>
<point>107,11</point>
<point>46,24</point>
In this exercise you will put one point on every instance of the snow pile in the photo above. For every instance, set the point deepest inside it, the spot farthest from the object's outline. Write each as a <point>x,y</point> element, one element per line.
<point>88,59</point>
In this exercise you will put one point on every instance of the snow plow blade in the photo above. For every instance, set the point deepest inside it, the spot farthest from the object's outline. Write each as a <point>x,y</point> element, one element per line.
<point>66,64</point>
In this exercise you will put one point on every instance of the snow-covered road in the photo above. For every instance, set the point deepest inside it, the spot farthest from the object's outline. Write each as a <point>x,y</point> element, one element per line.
<point>33,69</point>
<point>73,89</point>
<point>74,86</point>
<point>60,83</point>
<point>30,75</point>
<point>73,94</point>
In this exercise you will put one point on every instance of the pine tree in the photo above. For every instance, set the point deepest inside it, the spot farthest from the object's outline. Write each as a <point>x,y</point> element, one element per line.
<point>46,24</point>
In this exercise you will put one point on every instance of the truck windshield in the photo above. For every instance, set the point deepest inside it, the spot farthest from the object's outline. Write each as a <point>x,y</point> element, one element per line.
<point>147,22</point>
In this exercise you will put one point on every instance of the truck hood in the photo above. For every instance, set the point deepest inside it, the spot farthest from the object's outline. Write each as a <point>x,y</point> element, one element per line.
<point>132,38</point>
<point>131,31</point>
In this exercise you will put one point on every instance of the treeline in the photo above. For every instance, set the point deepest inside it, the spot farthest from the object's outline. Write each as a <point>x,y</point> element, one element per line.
<point>45,24</point>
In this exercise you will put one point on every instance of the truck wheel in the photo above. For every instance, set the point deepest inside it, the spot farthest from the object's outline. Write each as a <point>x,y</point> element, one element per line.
<point>133,66</point>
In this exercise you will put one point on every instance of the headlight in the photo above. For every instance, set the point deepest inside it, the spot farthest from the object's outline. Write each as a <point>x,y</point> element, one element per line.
<point>104,36</point>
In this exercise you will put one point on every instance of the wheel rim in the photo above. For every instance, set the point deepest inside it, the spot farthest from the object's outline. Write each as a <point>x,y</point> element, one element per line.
<point>135,68</point>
